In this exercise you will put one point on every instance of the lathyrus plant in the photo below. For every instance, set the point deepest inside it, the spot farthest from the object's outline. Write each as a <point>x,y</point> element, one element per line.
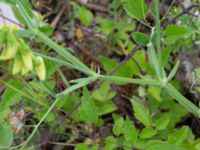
<point>160,79</point>
<point>19,52</point>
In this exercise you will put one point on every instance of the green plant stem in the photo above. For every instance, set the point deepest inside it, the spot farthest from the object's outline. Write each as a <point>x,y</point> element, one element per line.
<point>82,82</point>
<point>63,52</point>
<point>24,94</point>
<point>49,42</point>
<point>61,62</point>
<point>158,37</point>
<point>131,80</point>
<point>67,91</point>
<point>171,90</point>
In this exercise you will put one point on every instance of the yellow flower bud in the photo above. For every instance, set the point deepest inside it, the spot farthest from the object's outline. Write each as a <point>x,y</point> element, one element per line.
<point>11,47</point>
<point>17,65</point>
<point>27,60</point>
<point>24,70</point>
<point>40,68</point>
<point>26,55</point>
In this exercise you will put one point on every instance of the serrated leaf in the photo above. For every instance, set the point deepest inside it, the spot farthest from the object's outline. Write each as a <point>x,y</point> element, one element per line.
<point>147,132</point>
<point>118,126</point>
<point>111,143</point>
<point>135,8</point>
<point>178,136</point>
<point>162,122</point>
<point>89,112</point>
<point>141,113</point>
<point>129,130</point>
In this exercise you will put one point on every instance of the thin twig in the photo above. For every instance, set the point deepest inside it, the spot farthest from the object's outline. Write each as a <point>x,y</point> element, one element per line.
<point>184,11</point>
<point>93,7</point>
<point>12,21</point>
<point>57,18</point>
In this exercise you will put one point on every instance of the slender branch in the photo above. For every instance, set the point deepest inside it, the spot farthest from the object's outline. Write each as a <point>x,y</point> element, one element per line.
<point>184,11</point>
<point>93,7</point>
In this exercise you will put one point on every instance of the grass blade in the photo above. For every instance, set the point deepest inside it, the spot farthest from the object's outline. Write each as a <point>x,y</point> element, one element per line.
<point>174,70</point>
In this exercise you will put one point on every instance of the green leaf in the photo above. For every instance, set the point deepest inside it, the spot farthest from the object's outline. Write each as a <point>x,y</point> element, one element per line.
<point>176,32</point>
<point>141,113</point>
<point>179,136</point>
<point>6,136</point>
<point>147,132</point>
<point>111,143</point>
<point>153,60</point>
<point>89,112</point>
<point>196,144</point>
<point>160,145</point>
<point>162,122</point>
<point>49,118</point>
<point>140,38</point>
<point>107,108</point>
<point>118,126</point>
<point>82,146</point>
<point>85,16</point>
<point>106,25</point>
<point>103,93</point>
<point>126,70</point>
<point>129,130</point>
<point>10,96</point>
<point>135,8</point>
<point>173,71</point>
<point>178,112</point>
<point>154,91</point>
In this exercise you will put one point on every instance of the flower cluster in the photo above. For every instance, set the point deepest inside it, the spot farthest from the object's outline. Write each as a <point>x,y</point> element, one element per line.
<point>16,49</point>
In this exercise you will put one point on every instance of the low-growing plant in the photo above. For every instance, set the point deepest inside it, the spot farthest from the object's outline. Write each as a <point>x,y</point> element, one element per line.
<point>153,105</point>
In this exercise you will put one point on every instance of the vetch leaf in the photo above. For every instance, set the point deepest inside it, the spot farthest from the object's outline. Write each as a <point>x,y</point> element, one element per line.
<point>140,38</point>
<point>85,16</point>
<point>135,8</point>
<point>176,32</point>
<point>141,113</point>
